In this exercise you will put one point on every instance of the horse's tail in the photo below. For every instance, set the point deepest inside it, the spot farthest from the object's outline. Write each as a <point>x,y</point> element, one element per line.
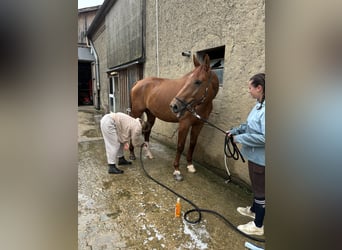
<point>130,97</point>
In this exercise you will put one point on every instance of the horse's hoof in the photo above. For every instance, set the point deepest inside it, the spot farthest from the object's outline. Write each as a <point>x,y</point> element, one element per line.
<point>191,169</point>
<point>177,175</point>
<point>150,156</point>
<point>132,157</point>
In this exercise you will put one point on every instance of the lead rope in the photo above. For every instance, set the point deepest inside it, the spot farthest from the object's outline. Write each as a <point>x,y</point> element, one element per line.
<point>233,150</point>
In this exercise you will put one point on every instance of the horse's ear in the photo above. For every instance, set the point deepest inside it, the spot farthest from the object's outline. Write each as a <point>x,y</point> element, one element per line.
<point>207,61</point>
<point>196,62</point>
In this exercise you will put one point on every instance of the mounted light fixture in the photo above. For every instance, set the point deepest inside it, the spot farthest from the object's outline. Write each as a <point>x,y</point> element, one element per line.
<point>186,53</point>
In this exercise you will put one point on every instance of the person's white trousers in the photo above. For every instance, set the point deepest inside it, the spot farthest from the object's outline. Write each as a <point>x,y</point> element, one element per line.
<point>114,148</point>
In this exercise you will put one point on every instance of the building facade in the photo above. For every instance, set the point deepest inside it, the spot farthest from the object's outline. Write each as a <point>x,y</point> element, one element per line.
<point>134,39</point>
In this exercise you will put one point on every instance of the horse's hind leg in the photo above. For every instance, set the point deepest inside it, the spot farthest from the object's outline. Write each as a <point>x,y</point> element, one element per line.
<point>131,152</point>
<point>134,114</point>
<point>150,119</point>
<point>195,130</point>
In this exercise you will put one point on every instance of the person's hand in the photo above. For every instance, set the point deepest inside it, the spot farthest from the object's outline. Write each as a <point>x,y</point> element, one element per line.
<point>126,146</point>
<point>230,136</point>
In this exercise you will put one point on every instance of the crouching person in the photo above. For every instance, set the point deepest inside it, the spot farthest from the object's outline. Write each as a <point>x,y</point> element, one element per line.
<point>118,129</point>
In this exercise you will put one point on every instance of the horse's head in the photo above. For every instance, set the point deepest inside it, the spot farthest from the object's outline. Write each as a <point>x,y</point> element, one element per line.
<point>195,89</point>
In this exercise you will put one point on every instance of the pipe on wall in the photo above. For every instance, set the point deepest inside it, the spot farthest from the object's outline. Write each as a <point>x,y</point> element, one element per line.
<point>97,74</point>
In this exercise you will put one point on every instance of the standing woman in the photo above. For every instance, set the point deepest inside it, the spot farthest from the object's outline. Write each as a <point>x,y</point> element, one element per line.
<point>252,137</point>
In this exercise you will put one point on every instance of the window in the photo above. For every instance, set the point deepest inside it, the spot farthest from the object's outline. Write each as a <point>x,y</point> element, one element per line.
<point>216,56</point>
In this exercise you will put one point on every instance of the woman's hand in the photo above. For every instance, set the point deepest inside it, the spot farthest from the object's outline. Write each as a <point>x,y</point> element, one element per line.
<point>126,146</point>
<point>230,135</point>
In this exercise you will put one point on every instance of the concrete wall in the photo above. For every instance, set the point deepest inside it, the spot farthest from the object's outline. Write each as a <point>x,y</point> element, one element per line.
<point>177,25</point>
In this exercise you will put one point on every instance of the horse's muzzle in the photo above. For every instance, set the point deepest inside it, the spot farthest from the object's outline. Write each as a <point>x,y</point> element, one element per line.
<point>177,107</point>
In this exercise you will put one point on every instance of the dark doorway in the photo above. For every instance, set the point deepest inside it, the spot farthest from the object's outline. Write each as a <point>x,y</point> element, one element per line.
<point>85,85</point>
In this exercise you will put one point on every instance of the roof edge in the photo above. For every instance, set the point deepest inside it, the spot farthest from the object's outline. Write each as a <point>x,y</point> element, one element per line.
<point>100,16</point>
<point>88,9</point>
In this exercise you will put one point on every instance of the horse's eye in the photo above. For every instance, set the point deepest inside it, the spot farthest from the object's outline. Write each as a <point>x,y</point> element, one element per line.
<point>198,82</point>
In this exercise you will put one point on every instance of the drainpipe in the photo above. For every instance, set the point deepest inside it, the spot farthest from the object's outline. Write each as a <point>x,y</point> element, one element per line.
<point>97,74</point>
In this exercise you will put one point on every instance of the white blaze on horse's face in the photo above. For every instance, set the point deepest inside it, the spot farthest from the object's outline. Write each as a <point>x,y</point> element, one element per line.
<point>191,93</point>
<point>183,99</point>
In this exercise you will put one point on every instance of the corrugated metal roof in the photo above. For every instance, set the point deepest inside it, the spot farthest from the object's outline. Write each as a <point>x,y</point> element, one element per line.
<point>85,55</point>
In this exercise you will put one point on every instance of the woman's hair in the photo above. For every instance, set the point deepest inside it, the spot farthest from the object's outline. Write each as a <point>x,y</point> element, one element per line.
<point>256,80</point>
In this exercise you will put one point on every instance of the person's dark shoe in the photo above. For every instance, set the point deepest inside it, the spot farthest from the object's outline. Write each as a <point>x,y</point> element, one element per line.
<point>123,161</point>
<point>114,170</point>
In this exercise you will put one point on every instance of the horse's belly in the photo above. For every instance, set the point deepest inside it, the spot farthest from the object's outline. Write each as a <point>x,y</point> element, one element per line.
<point>164,115</point>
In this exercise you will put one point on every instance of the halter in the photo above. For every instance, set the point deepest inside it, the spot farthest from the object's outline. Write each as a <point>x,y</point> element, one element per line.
<point>190,106</point>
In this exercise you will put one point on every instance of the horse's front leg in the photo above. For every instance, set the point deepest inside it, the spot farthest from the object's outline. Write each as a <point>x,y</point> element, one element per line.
<point>195,130</point>
<point>182,133</point>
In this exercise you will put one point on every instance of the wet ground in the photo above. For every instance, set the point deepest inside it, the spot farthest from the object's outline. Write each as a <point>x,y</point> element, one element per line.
<point>130,211</point>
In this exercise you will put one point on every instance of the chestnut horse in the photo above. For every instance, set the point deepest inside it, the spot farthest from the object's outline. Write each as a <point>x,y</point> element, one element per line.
<point>171,100</point>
